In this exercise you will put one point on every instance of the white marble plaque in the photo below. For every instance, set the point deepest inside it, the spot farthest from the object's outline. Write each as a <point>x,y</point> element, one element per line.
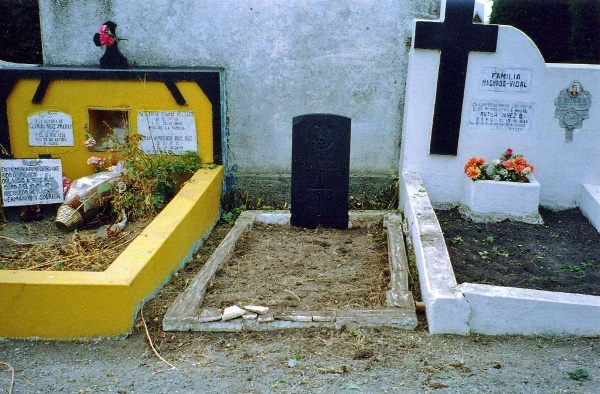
<point>505,79</point>
<point>497,115</point>
<point>31,181</point>
<point>50,128</point>
<point>169,131</point>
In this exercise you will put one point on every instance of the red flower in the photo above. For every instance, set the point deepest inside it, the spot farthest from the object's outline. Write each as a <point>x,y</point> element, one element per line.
<point>106,37</point>
<point>509,152</point>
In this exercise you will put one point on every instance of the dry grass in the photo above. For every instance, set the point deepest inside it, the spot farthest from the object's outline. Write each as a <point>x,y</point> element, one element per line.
<point>77,251</point>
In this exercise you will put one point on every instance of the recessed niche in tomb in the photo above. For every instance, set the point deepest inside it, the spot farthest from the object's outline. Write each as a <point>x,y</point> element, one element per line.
<point>107,127</point>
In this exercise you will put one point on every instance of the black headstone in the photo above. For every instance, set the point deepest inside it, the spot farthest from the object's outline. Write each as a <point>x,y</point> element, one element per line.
<point>320,171</point>
<point>455,37</point>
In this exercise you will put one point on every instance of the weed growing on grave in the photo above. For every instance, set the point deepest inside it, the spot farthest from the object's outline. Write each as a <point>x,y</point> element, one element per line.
<point>386,199</point>
<point>579,268</point>
<point>234,202</point>
<point>147,181</point>
<point>457,240</point>
<point>152,179</point>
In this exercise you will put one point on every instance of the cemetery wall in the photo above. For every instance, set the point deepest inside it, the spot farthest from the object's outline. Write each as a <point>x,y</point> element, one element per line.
<point>562,166</point>
<point>279,59</point>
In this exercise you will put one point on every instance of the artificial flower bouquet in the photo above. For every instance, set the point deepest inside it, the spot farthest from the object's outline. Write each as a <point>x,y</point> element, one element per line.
<point>509,167</point>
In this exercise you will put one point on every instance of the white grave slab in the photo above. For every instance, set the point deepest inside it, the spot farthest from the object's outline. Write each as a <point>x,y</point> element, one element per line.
<point>50,128</point>
<point>31,181</point>
<point>171,131</point>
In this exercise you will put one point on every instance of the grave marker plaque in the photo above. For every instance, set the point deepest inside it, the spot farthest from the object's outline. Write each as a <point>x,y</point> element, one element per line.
<point>320,171</point>
<point>498,115</point>
<point>31,181</point>
<point>50,128</point>
<point>172,131</point>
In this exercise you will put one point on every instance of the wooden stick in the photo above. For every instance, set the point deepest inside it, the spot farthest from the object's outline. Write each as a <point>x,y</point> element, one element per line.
<point>150,340</point>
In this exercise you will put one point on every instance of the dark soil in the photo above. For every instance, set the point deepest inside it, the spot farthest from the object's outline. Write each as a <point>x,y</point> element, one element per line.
<point>563,254</point>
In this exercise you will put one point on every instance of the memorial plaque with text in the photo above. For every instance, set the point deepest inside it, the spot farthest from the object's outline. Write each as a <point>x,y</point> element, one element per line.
<point>320,171</point>
<point>168,131</point>
<point>31,181</point>
<point>494,115</point>
<point>50,128</point>
<point>505,79</point>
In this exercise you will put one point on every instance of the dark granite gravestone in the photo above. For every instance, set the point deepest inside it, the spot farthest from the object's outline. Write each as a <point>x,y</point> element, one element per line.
<point>320,171</point>
<point>455,37</point>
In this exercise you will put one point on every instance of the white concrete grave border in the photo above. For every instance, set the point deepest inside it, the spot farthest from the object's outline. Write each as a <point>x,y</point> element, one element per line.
<point>184,313</point>
<point>476,308</point>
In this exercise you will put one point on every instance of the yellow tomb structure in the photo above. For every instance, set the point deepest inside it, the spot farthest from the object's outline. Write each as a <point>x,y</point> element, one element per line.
<point>50,112</point>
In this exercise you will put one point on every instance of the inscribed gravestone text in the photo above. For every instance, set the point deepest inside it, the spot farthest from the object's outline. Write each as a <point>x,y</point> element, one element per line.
<point>496,115</point>
<point>320,171</point>
<point>31,181</point>
<point>505,79</point>
<point>50,128</point>
<point>170,131</point>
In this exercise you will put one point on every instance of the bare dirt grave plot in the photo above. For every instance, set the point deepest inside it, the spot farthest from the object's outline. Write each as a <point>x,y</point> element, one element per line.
<point>289,268</point>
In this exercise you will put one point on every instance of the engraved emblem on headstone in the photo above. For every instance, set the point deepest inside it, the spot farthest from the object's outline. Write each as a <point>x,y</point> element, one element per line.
<point>572,108</point>
<point>322,136</point>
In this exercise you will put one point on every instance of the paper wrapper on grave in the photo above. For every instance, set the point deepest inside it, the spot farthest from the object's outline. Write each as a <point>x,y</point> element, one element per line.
<point>84,199</point>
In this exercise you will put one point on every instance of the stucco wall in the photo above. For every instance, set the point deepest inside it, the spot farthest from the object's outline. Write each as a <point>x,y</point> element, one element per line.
<point>281,58</point>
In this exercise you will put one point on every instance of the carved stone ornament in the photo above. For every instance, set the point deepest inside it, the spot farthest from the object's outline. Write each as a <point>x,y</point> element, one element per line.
<point>572,107</point>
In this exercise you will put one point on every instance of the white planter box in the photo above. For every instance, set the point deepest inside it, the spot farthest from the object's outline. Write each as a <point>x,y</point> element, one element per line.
<point>496,201</point>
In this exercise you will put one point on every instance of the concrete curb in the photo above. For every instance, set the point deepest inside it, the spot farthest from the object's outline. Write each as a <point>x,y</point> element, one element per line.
<point>475,308</point>
<point>73,305</point>
<point>183,315</point>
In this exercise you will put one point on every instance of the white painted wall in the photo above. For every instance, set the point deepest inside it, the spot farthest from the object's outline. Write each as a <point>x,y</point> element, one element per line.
<point>281,58</point>
<point>561,167</point>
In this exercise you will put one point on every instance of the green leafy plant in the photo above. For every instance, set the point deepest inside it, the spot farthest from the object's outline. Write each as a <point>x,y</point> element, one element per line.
<point>150,181</point>
<point>457,240</point>
<point>579,268</point>
<point>572,268</point>
<point>579,374</point>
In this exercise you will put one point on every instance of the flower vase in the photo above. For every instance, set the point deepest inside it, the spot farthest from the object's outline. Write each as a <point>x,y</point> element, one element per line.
<point>113,58</point>
<point>493,201</point>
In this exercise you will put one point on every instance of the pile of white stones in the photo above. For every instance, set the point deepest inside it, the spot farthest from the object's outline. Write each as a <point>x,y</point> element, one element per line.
<point>248,312</point>
<point>262,314</point>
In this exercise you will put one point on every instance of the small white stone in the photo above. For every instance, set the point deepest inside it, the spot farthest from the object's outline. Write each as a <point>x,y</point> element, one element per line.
<point>232,312</point>
<point>257,309</point>
<point>209,314</point>
<point>250,316</point>
<point>265,318</point>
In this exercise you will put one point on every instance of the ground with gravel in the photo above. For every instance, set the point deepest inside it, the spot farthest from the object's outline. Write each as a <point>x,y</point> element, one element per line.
<point>307,361</point>
<point>297,361</point>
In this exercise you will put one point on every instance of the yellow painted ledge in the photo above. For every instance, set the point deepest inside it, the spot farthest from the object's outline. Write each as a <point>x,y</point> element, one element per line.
<point>71,305</point>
